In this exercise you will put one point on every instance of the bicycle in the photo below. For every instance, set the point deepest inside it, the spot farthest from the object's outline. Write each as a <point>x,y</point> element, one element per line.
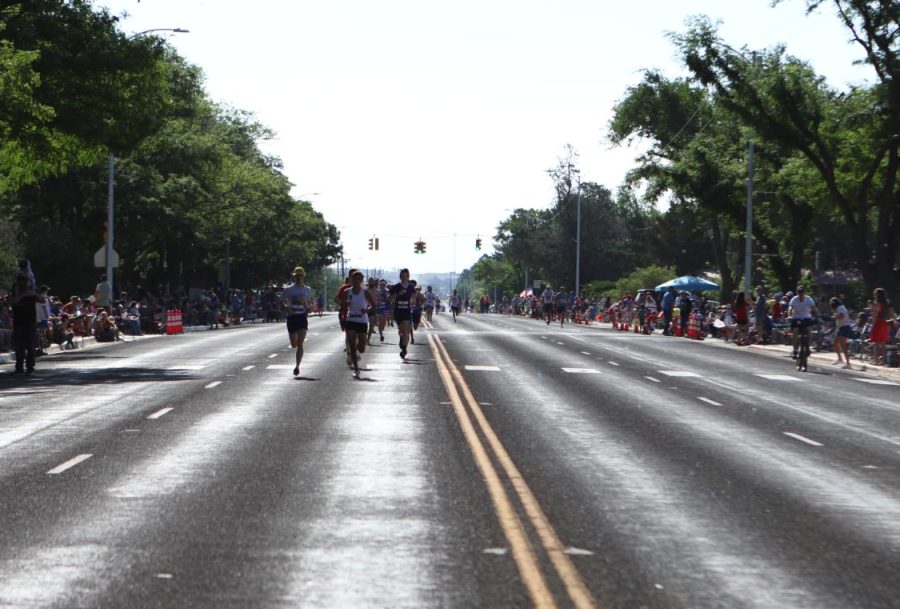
<point>803,326</point>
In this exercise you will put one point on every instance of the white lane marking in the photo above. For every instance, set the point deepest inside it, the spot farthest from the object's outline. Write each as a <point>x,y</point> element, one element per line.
<point>870,467</point>
<point>368,366</point>
<point>279,367</point>
<point>709,401</point>
<point>164,576</point>
<point>578,552</point>
<point>485,404</point>
<point>559,343</point>
<point>248,368</point>
<point>188,367</point>
<point>495,551</point>
<point>213,385</point>
<point>274,355</point>
<point>612,363</point>
<point>797,436</point>
<point>680,373</point>
<point>483,368</point>
<point>581,370</point>
<point>585,353</point>
<point>779,377</point>
<point>69,464</point>
<point>650,378</point>
<point>875,382</point>
<point>544,337</point>
<point>160,413</point>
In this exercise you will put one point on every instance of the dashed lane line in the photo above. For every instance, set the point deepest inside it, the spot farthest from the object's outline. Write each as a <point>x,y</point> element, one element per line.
<point>213,385</point>
<point>655,380</point>
<point>612,363</point>
<point>69,464</point>
<point>160,413</point>
<point>273,356</point>
<point>483,368</point>
<point>679,373</point>
<point>585,353</point>
<point>581,370</point>
<point>779,377</point>
<point>709,401</point>
<point>876,382</point>
<point>245,368</point>
<point>797,436</point>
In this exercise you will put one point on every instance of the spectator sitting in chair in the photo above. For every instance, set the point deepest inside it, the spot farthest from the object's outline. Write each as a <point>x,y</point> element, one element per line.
<point>106,330</point>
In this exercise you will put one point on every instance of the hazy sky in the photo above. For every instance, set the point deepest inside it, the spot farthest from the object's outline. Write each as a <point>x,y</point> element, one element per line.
<point>413,118</point>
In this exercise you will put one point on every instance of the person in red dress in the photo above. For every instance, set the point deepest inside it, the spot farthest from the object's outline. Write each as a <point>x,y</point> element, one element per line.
<point>878,336</point>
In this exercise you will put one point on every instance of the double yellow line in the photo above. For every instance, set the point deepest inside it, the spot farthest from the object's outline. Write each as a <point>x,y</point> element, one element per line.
<point>513,528</point>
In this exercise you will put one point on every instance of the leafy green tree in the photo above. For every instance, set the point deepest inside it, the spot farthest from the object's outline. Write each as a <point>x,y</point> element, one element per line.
<point>850,139</point>
<point>645,277</point>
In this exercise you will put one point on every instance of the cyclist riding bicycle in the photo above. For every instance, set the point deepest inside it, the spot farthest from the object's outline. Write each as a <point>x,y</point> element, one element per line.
<point>802,312</point>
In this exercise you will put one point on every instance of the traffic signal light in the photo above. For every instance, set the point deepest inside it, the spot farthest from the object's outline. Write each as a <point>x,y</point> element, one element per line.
<point>376,243</point>
<point>423,247</point>
<point>478,243</point>
<point>420,247</point>
<point>371,244</point>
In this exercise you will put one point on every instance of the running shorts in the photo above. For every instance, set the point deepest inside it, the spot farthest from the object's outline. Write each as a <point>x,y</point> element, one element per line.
<point>401,315</point>
<point>560,308</point>
<point>297,322</point>
<point>356,326</point>
<point>548,307</point>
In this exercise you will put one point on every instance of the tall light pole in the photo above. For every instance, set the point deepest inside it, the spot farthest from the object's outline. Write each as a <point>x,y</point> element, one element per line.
<point>111,187</point>
<point>578,244</point>
<point>748,244</point>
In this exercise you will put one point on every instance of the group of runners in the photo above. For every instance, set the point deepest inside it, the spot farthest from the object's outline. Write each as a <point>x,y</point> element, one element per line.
<point>363,310</point>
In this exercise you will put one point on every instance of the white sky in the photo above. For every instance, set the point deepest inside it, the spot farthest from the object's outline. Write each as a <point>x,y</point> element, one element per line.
<point>412,118</point>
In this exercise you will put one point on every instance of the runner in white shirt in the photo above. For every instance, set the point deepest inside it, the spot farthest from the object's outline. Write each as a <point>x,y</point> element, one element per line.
<point>548,296</point>
<point>296,300</point>
<point>359,302</point>
<point>430,300</point>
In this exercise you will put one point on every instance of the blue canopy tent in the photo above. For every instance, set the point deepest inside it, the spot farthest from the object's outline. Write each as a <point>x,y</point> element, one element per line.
<point>690,283</point>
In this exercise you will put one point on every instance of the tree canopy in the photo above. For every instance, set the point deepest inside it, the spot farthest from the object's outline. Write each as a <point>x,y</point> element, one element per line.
<point>192,185</point>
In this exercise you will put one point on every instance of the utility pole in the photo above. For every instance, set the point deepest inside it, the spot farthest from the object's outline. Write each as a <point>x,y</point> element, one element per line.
<point>578,245</point>
<point>748,245</point>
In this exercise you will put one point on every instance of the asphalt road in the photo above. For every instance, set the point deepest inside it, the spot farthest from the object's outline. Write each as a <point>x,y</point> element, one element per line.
<point>505,464</point>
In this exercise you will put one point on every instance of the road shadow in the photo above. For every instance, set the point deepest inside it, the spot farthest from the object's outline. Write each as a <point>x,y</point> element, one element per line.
<point>306,378</point>
<point>107,376</point>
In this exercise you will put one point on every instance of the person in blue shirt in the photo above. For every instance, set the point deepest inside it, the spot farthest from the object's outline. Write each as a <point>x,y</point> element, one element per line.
<point>668,305</point>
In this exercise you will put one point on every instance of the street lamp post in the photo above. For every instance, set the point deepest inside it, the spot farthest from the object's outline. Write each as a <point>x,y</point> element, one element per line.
<point>578,244</point>
<point>748,244</point>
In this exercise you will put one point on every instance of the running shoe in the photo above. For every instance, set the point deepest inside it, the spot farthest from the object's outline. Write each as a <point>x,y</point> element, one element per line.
<point>296,370</point>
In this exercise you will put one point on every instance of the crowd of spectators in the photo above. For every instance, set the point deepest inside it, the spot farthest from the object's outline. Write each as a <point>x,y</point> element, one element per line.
<point>105,316</point>
<point>872,331</point>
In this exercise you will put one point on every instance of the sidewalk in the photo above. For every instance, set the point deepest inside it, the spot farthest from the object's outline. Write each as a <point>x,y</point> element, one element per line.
<point>821,359</point>
<point>89,345</point>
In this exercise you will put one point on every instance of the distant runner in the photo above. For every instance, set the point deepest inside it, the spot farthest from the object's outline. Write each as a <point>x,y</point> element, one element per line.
<point>295,300</point>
